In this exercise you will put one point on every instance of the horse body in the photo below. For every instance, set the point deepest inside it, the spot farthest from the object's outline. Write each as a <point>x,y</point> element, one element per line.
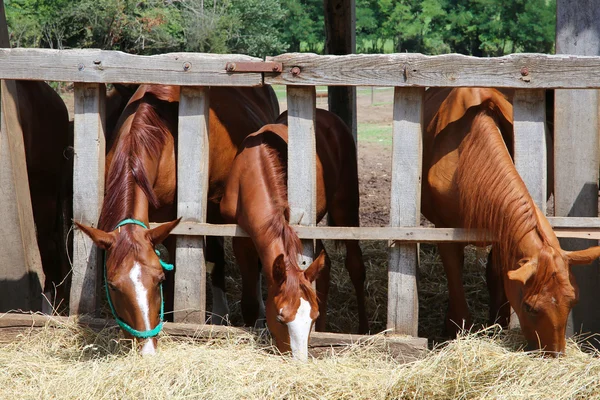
<point>471,182</point>
<point>141,186</point>
<point>256,199</point>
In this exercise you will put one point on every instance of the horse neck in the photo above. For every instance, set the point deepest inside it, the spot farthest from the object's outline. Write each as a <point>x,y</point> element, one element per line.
<point>130,179</point>
<point>266,212</point>
<point>493,197</point>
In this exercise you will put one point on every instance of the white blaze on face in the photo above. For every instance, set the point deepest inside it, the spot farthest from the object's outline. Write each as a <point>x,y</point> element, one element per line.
<point>299,329</point>
<point>148,348</point>
<point>141,296</point>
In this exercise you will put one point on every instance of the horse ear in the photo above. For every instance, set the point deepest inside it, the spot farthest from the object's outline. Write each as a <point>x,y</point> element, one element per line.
<point>102,239</point>
<point>160,233</point>
<point>279,270</point>
<point>312,272</point>
<point>580,257</point>
<point>524,272</point>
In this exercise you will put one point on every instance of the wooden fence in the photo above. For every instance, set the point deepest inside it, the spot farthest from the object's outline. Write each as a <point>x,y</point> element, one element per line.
<point>530,74</point>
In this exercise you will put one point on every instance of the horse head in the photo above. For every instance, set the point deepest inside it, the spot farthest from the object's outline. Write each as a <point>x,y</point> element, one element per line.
<point>292,305</point>
<point>134,274</point>
<point>542,291</point>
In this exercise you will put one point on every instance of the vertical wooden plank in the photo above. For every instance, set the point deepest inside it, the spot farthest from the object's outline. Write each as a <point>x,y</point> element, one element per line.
<point>576,150</point>
<point>88,194</point>
<point>340,29</point>
<point>405,209</point>
<point>21,271</point>
<point>192,191</point>
<point>529,115</point>
<point>302,162</point>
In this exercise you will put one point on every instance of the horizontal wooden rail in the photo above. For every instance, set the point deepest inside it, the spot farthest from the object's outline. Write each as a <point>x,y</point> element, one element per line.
<point>452,70</point>
<point>102,66</point>
<point>403,69</point>
<point>587,228</point>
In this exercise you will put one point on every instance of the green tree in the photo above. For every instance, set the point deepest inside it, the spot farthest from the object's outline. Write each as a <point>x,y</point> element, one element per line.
<point>303,22</point>
<point>253,29</point>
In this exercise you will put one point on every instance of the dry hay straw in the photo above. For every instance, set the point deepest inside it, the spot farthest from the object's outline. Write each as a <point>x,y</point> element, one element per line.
<point>70,362</point>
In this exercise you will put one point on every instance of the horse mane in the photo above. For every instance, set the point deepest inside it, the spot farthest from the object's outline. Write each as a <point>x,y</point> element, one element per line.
<point>493,197</point>
<point>277,226</point>
<point>145,139</point>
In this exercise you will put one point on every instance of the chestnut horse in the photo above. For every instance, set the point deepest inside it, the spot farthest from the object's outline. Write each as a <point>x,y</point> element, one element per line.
<point>141,185</point>
<point>256,199</point>
<point>471,182</point>
<point>45,124</point>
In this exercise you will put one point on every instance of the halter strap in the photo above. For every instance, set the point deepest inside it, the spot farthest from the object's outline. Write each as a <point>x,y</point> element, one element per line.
<point>126,327</point>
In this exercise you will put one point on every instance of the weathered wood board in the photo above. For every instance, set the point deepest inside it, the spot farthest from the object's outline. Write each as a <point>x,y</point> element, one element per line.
<point>192,191</point>
<point>576,149</point>
<point>588,228</point>
<point>104,66</point>
<point>529,115</point>
<point>88,194</point>
<point>405,209</point>
<point>302,162</point>
<point>452,70</point>
<point>21,276</point>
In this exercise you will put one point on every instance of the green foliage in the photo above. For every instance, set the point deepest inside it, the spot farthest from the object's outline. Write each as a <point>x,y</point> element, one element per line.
<point>253,30</point>
<point>269,27</point>
<point>303,22</point>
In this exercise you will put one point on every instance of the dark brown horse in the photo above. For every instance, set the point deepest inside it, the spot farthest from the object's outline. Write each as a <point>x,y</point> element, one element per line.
<point>470,181</point>
<point>141,185</point>
<point>45,123</point>
<point>256,199</point>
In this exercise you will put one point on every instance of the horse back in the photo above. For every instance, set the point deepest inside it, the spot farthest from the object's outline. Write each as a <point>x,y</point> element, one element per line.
<point>453,114</point>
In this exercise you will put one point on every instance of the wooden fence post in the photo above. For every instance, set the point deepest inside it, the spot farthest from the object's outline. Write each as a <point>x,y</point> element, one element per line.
<point>529,121</point>
<point>88,194</point>
<point>405,209</point>
<point>22,274</point>
<point>576,150</point>
<point>529,116</point>
<point>302,162</point>
<point>192,192</point>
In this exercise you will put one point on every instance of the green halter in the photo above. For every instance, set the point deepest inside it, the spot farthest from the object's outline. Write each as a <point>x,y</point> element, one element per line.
<point>126,327</point>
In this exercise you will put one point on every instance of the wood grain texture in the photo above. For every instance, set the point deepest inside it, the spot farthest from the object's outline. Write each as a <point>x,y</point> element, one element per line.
<point>588,228</point>
<point>405,209</point>
<point>302,162</point>
<point>454,70</point>
<point>88,194</point>
<point>87,65</point>
<point>576,150</point>
<point>192,190</point>
<point>21,272</point>
<point>529,115</point>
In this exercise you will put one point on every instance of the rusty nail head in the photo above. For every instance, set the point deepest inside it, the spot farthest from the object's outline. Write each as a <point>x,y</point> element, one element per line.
<point>295,71</point>
<point>81,67</point>
<point>230,67</point>
<point>276,68</point>
<point>524,71</point>
<point>187,66</point>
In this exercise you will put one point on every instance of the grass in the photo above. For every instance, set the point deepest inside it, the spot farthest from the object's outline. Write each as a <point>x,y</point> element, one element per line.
<point>375,133</point>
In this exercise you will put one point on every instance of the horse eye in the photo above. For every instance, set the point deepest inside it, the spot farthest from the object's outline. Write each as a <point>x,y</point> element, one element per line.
<point>529,309</point>
<point>112,287</point>
<point>161,278</point>
<point>280,319</point>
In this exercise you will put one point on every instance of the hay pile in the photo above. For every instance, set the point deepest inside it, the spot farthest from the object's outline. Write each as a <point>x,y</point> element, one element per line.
<point>73,363</point>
